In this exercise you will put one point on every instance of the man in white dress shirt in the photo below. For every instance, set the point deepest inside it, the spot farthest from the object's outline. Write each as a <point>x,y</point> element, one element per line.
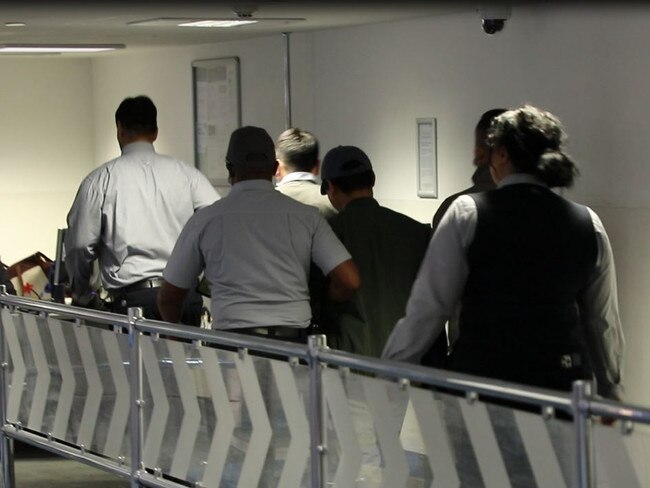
<point>128,214</point>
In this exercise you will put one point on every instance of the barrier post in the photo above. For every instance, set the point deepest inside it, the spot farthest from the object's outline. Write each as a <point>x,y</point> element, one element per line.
<point>287,81</point>
<point>6,443</point>
<point>135,370</point>
<point>317,412</point>
<point>582,425</point>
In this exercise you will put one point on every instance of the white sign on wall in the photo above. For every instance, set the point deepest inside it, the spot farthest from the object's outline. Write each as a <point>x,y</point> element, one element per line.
<point>427,158</point>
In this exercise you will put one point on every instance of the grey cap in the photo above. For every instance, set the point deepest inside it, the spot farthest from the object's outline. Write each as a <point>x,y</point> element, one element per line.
<point>251,148</point>
<point>343,161</point>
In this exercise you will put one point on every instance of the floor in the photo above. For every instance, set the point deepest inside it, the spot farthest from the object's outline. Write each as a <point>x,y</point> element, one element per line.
<point>35,468</point>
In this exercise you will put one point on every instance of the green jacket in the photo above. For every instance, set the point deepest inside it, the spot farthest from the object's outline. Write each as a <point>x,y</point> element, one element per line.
<point>388,248</point>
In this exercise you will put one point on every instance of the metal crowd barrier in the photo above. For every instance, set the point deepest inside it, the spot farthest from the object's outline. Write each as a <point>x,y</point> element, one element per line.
<point>171,406</point>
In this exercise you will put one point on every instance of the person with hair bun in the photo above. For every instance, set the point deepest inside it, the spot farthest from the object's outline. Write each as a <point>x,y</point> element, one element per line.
<point>532,271</point>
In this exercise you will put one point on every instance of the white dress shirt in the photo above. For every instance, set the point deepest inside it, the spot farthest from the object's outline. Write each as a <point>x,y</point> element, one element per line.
<point>440,284</point>
<point>128,214</point>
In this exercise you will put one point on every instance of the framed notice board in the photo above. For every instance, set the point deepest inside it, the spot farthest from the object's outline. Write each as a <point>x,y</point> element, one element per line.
<point>427,158</point>
<point>217,112</point>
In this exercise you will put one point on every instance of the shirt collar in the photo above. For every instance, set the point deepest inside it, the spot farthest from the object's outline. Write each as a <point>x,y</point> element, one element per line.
<point>247,185</point>
<point>138,146</point>
<point>518,178</point>
<point>299,176</point>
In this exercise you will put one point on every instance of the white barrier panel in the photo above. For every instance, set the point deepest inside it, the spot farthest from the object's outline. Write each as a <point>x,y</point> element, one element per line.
<point>613,455</point>
<point>57,387</point>
<point>220,418</point>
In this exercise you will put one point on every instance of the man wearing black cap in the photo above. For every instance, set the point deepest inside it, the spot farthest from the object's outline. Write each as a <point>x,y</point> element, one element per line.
<point>256,246</point>
<point>387,246</point>
<point>128,214</point>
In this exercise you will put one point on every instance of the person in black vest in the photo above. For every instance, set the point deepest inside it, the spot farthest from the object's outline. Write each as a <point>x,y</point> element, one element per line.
<point>481,181</point>
<point>533,272</point>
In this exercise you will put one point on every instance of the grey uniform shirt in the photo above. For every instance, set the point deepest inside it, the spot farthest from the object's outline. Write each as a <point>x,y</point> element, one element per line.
<point>255,246</point>
<point>441,280</point>
<point>128,214</point>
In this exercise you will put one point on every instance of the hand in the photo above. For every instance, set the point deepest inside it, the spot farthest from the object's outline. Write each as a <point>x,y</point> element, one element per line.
<point>90,300</point>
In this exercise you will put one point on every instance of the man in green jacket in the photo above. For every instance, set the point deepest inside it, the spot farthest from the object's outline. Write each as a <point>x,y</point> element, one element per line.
<point>386,246</point>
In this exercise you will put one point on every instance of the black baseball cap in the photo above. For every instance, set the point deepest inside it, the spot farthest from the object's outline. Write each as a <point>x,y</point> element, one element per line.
<point>250,148</point>
<point>343,161</point>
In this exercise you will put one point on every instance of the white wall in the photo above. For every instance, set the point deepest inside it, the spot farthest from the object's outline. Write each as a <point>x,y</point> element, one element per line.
<point>47,146</point>
<point>583,64</point>
<point>371,83</point>
<point>166,76</point>
<point>366,86</point>
<point>58,124</point>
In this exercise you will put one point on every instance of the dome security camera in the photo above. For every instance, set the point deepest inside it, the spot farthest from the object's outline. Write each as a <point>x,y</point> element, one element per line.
<point>492,26</point>
<point>493,19</point>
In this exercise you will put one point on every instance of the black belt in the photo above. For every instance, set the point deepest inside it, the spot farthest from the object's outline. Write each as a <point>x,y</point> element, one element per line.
<point>276,332</point>
<point>139,285</point>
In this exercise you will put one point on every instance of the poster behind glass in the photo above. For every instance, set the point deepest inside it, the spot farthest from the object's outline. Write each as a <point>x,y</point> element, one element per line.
<point>217,112</point>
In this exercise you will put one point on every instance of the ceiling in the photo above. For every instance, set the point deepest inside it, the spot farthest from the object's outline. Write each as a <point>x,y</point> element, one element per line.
<point>72,22</point>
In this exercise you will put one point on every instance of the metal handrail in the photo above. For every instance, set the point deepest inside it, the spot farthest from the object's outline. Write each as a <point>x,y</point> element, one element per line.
<point>448,379</point>
<point>49,308</point>
<point>580,404</point>
<point>223,338</point>
<point>616,410</point>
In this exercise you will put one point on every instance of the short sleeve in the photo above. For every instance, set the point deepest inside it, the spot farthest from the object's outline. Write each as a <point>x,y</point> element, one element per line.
<point>203,193</point>
<point>186,261</point>
<point>327,250</point>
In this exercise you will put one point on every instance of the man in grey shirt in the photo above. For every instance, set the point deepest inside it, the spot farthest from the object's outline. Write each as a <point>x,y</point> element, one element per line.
<point>255,247</point>
<point>128,214</point>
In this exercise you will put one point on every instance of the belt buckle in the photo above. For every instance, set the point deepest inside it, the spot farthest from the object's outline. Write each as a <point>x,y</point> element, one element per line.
<point>568,361</point>
<point>153,282</point>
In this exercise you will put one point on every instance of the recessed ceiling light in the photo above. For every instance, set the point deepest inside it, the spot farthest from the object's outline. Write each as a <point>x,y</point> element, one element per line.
<point>217,23</point>
<point>214,22</point>
<point>15,24</point>
<point>58,48</point>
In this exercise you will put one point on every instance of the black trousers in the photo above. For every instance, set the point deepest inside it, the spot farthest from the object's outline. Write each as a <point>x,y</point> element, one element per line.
<point>146,298</point>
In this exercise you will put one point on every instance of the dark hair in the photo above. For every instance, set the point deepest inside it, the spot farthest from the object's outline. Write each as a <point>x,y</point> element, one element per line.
<point>297,149</point>
<point>534,140</point>
<point>358,181</point>
<point>486,119</point>
<point>137,115</point>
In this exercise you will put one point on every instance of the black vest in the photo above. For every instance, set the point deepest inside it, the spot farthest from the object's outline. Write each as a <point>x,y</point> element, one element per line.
<point>532,255</point>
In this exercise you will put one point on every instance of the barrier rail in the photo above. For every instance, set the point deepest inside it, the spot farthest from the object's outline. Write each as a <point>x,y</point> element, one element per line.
<point>171,406</point>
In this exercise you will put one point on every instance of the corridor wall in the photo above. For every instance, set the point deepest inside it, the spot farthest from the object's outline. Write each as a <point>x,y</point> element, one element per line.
<point>366,86</point>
